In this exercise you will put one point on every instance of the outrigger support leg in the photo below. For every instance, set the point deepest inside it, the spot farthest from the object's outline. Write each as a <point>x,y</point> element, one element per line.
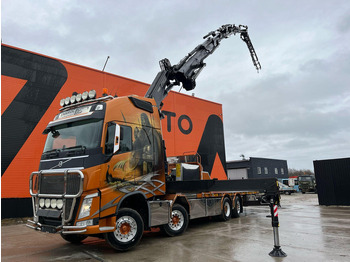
<point>277,251</point>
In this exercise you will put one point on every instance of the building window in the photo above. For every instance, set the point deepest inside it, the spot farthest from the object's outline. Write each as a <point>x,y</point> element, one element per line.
<point>259,170</point>
<point>282,171</point>
<point>266,170</point>
<point>276,171</point>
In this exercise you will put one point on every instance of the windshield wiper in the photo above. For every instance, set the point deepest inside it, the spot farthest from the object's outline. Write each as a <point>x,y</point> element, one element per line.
<point>51,153</point>
<point>75,150</point>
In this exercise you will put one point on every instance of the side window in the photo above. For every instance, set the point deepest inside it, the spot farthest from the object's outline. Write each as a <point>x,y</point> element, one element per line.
<point>125,139</point>
<point>118,141</point>
<point>276,171</point>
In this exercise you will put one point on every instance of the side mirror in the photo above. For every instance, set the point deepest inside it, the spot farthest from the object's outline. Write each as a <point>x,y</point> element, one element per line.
<point>113,138</point>
<point>116,138</point>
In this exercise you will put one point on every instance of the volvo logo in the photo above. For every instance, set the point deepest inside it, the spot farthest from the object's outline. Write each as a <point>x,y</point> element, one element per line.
<point>60,164</point>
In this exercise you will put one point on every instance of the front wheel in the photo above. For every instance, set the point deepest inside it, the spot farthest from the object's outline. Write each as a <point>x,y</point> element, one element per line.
<point>128,231</point>
<point>178,221</point>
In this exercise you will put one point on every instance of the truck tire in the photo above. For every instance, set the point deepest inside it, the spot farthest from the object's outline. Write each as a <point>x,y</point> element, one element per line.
<point>226,210</point>
<point>303,192</point>
<point>178,221</point>
<point>74,239</point>
<point>238,208</point>
<point>128,232</point>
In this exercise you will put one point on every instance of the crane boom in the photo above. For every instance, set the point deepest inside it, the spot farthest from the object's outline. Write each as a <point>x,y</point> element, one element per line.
<point>186,71</point>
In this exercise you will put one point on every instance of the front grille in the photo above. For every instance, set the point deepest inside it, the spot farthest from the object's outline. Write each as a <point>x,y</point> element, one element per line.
<point>56,184</point>
<point>52,184</point>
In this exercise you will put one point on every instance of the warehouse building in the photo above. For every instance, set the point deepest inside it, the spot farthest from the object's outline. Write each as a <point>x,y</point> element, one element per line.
<point>256,167</point>
<point>333,181</point>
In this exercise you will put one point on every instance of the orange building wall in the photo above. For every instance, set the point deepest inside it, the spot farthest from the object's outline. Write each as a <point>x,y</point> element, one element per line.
<point>15,179</point>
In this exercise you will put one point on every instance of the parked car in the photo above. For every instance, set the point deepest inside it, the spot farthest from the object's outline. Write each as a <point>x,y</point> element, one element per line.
<point>287,190</point>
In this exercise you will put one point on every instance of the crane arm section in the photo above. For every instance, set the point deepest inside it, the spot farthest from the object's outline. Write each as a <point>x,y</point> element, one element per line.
<point>187,70</point>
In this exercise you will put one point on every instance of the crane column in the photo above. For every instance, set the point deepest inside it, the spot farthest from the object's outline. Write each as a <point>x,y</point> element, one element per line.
<point>277,251</point>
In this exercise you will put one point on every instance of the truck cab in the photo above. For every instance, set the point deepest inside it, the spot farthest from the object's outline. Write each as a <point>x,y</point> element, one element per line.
<point>307,183</point>
<point>97,152</point>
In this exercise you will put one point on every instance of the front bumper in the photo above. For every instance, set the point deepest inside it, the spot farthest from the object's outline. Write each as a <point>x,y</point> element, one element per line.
<point>58,229</point>
<point>66,186</point>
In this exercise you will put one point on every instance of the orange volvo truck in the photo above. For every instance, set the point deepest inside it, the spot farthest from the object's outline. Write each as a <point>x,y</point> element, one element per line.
<point>104,170</point>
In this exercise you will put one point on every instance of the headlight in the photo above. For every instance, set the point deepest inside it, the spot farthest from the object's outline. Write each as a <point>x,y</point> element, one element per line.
<point>59,203</point>
<point>62,102</point>
<point>85,208</point>
<point>47,202</point>
<point>42,202</point>
<point>53,203</point>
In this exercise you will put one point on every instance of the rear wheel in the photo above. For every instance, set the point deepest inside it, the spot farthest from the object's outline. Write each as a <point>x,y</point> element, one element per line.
<point>237,209</point>
<point>178,221</point>
<point>128,231</point>
<point>74,238</point>
<point>226,210</point>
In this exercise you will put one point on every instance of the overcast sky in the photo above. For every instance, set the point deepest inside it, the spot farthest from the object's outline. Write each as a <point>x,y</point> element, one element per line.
<point>297,108</point>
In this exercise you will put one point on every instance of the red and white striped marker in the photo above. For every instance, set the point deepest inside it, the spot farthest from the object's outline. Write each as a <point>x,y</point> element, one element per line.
<point>275,213</point>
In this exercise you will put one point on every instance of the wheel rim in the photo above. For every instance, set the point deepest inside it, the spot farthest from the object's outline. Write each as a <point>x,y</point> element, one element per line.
<point>227,210</point>
<point>177,220</point>
<point>238,203</point>
<point>126,229</point>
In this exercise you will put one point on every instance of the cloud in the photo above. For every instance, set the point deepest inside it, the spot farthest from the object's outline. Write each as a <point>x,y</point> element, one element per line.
<point>300,113</point>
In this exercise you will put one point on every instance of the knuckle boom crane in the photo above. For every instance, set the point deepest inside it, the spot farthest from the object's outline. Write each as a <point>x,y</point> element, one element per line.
<point>187,70</point>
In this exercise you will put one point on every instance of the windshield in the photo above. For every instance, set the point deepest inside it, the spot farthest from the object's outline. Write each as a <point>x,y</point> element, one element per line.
<point>86,133</point>
<point>305,178</point>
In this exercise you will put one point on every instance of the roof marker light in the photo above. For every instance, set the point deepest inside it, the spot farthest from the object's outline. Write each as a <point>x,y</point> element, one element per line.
<point>78,98</point>
<point>92,94</point>
<point>62,102</point>
<point>85,95</point>
<point>67,101</point>
<point>73,99</point>
<point>105,92</point>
